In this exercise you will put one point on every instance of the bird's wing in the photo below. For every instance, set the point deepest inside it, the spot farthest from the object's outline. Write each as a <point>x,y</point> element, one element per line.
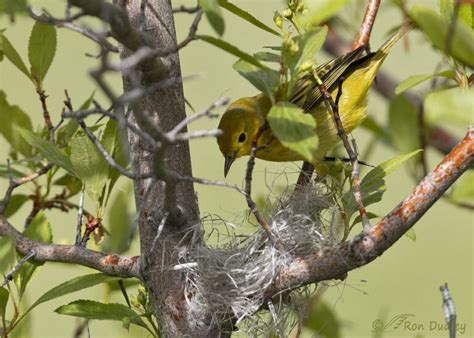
<point>307,94</point>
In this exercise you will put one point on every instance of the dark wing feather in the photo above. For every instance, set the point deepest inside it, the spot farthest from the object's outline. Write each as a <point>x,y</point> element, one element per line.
<point>306,93</point>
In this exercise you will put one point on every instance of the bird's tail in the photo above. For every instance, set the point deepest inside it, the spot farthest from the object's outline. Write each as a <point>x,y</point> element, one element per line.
<point>385,48</point>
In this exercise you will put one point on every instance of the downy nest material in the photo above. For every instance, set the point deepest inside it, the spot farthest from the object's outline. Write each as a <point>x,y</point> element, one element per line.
<point>229,280</point>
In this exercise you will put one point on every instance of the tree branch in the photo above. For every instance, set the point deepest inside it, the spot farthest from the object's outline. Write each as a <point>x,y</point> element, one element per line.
<point>332,263</point>
<point>153,68</point>
<point>363,37</point>
<point>110,264</point>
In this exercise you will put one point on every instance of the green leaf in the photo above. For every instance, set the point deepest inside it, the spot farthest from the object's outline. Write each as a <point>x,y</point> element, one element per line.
<point>4,294</point>
<point>72,183</point>
<point>73,285</point>
<point>41,50</point>
<point>246,16</point>
<point>230,49</point>
<point>264,79</point>
<point>372,186</point>
<point>309,44</point>
<point>12,7</point>
<point>120,224</point>
<point>67,131</point>
<point>463,190</point>
<point>294,129</point>
<point>466,12</point>
<point>436,29</point>
<point>114,143</point>
<point>323,321</point>
<point>10,52</point>
<point>213,14</point>
<point>268,57</point>
<point>38,230</point>
<point>49,151</point>
<point>358,219</point>
<point>454,105</point>
<point>90,165</point>
<point>13,117</point>
<point>319,11</point>
<point>90,309</point>
<point>404,129</point>
<point>411,234</point>
<point>415,80</point>
<point>16,202</point>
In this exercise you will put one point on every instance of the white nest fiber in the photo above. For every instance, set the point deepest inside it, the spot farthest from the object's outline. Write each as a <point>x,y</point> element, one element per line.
<point>229,280</point>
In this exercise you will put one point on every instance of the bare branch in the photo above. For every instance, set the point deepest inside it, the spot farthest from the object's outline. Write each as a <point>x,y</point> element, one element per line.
<point>248,184</point>
<point>351,150</point>
<point>363,37</point>
<point>69,24</point>
<point>23,260</point>
<point>449,310</point>
<point>46,116</point>
<point>206,112</point>
<point>80,213</point>
<point>110,264</point>
<point>331,263</point>
<point>184,9</point>
<point>15,183</point>
<point>153,68</point>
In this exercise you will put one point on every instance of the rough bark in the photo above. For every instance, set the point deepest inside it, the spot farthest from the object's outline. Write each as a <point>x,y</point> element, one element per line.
<point>166,109</point>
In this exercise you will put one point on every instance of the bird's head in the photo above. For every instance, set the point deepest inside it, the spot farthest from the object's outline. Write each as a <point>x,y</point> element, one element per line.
<point>239,124</point>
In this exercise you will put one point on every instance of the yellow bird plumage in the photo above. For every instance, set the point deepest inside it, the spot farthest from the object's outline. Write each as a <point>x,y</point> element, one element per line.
<point>245,116</point>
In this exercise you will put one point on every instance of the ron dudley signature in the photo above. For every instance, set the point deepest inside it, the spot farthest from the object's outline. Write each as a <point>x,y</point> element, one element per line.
<point>407,322</point>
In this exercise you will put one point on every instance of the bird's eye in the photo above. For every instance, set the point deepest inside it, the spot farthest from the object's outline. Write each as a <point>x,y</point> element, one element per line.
<point>242,137</point>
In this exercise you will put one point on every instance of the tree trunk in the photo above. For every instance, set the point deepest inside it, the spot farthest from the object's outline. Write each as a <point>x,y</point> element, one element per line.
<point>166,287</point>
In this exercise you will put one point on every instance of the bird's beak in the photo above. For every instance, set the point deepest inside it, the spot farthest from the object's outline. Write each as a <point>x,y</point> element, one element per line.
<point>228,163</point>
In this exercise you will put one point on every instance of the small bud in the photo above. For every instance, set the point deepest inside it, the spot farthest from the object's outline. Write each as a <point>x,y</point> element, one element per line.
<point>134,301</point>
<point>278,19</point>
<point>307,65</point>
<point>300,8</point>
<point>141,289</point>
<point>142,299</point>
<point>287,13</point>
<point>292,4</point>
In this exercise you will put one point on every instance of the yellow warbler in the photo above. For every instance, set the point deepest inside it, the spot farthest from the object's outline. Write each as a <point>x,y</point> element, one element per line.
<point>245,116</point>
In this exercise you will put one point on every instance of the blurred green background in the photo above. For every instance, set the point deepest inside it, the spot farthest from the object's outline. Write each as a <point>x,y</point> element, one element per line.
<point>405,280</point>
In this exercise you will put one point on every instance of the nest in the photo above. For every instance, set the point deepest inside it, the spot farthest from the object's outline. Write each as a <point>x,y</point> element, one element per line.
<point>229,279</point>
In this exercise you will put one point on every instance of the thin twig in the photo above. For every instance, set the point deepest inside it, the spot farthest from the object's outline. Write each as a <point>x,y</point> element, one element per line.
<point>351,150</point>
<point>206,112</point>
<point>15,183</point>
<point>275,318</point>
<point>184,9</point>
<point>80,213</point>
<point>23,260</point>
<point>46,115</point>
<point>110,160</point>
<point>248,184</point>
<point>449,310</point>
